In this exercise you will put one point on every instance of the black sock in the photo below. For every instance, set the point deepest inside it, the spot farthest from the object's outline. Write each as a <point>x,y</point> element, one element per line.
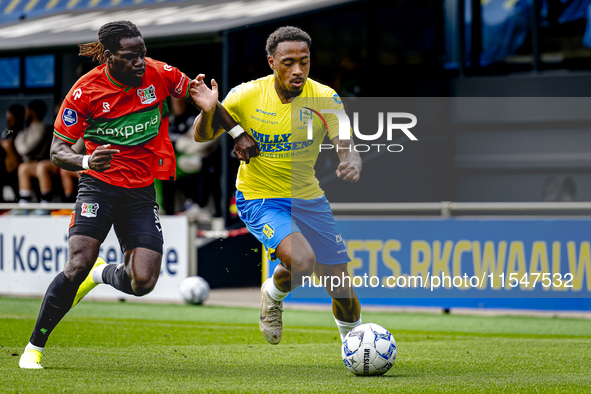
<point>57,302</point>
<point>47,196</point>
<point>116,276</point>
<point>24,197</point>
<point>70,198</point>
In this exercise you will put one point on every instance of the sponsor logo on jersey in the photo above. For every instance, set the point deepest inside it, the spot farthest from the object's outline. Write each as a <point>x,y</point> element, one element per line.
<point>339,238</point>
<point>148,95</point>
<point>278,142</point>
<point>89,210</point>
<point>106,107</point>
<point>70,117</point>
<point>179,86</point>
<point>167,67</point>
<point>129,131</point>
<point>133,129</point>
<point>77,93</point>
<point>269,231</point>
<point>266,113</point>
<point>337,99</point>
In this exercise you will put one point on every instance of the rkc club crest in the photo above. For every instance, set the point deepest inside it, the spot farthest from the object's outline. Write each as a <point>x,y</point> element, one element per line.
<point>148,95</point>
<point>305,115</point>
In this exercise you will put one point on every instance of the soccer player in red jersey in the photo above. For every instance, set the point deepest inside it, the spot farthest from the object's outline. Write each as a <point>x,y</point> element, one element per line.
<point>119,109</point>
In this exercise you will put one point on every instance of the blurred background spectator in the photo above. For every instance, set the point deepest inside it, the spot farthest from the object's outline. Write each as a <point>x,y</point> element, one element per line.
<point>9,158</point>
<point>32,144</point>
<point>50,176</point>
<point>421,48</point>
<point>198,168</point>
<point>47,172</point>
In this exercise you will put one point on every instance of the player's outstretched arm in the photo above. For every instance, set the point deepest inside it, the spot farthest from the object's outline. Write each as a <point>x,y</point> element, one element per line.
<point>62,155</point>
<point>214,119</point>
<point>349,168</point>
<point>207,125</point>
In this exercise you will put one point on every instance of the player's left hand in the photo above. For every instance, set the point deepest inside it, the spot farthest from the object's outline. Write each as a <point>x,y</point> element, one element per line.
<point>348,171</point>
<point>245,147</point>
<point>204,97</point>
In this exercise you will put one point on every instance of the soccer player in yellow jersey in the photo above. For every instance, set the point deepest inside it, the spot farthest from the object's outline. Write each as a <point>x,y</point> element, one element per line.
<point>278,196</point>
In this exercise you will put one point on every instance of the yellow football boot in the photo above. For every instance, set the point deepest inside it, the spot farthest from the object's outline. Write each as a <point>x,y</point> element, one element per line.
<point>31,359</point>
<point>88,283</point>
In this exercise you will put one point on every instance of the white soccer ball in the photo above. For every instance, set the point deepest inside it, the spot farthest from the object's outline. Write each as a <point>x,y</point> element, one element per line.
<point>369,349</point>
<point>194,290</point>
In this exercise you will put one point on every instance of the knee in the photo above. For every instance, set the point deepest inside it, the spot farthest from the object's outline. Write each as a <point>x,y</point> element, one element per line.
<point>42,169</point>
<point>23,170</point>
<point>303,263</point>
<point>77,269</point>
<point>143,285</point>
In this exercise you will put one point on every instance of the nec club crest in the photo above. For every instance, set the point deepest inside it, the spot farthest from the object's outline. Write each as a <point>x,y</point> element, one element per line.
<point>148,95</point>
<point>89,210</point>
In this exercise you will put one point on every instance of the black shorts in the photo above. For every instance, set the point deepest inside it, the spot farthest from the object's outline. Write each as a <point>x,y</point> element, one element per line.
<point>133,213</point>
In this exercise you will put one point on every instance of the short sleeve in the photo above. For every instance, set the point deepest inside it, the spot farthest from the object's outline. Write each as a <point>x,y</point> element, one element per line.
<point>332,122</point>
<point>180,83</point>
<point>71,120</point>
<point>232,103</point>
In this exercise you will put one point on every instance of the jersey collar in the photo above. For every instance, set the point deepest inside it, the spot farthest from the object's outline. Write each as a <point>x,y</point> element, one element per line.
<point>114,82</point>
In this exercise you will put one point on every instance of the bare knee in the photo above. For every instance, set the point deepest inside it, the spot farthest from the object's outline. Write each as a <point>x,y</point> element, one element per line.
<point>25,172</point>
<point>303,263</point>
<point>143,285</point>
<point>78,266</point>
<point>143,267</point>
<point>24,169</point>
<point>43,168</point>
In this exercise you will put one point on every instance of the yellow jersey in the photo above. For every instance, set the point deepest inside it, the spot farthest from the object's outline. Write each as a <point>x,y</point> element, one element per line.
<point>285,165</point>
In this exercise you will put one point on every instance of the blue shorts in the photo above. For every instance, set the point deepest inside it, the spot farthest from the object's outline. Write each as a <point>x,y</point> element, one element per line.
<point>270,220</point>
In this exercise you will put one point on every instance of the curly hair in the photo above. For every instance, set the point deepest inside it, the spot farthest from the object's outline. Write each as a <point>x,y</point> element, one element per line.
<point>286,33</point>
<point>109,37</point>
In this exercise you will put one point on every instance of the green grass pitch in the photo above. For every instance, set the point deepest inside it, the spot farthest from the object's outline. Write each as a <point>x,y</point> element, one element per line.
<point>131,347</point>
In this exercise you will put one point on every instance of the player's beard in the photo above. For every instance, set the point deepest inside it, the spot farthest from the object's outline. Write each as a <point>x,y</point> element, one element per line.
<point>135,81</point>
<point>292,92</point>
<point>295,93</point>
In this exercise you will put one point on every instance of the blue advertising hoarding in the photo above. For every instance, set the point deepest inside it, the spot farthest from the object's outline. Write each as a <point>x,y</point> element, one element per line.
<point>490,263</point>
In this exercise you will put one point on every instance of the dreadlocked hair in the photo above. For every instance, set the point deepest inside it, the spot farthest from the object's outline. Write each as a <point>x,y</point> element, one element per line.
<point>94,50</point>
<point>109,37</point>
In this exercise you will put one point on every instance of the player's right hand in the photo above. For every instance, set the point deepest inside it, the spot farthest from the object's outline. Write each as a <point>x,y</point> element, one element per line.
<point>245,147</point>
<point>203,97</point>
<point>101,158</point>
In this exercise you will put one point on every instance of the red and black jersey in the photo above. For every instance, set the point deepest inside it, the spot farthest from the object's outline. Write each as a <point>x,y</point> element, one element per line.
<point>132,119</point>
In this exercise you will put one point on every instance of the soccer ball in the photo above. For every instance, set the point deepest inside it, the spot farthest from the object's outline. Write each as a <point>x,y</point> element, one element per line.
<point>369,349</point>
<point>194,290</point>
